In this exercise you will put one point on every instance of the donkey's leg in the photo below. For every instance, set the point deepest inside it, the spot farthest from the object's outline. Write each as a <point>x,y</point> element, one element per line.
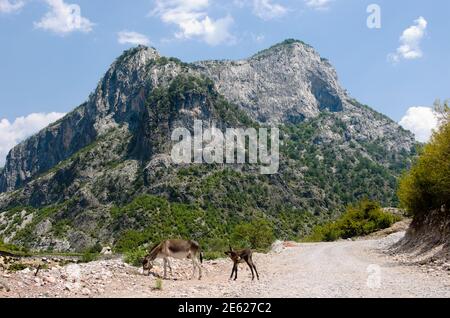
<point>194,266</point>
<point>251,268</point>
<point>232,272</point>
<point>199,268</point>
<point>170,266</point>
<point>253,264</point>
<point>236,272</point>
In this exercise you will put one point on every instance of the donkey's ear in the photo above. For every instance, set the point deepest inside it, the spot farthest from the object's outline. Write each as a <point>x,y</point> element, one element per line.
<point>231,249</point>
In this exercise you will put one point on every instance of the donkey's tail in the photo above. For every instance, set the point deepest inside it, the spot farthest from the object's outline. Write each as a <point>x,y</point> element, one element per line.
<point>201,257</point>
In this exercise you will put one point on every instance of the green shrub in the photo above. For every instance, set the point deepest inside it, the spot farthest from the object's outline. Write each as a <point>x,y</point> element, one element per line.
<point>17,267</point>
<point>216,254</point>
<point>258,234</point>
<point>158,284</point>
<point>89,257</point>
<point>362,219</point>
<point>129,241</point>
<point>96,249</point>
<point>135,258</point>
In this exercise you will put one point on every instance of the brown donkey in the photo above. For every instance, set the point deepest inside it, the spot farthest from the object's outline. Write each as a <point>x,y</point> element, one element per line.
<point>239,257</point>
<point>178,249</point>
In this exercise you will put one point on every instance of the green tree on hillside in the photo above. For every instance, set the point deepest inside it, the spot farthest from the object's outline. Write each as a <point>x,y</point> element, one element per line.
<point>257,234</point>
<point>427,186</point>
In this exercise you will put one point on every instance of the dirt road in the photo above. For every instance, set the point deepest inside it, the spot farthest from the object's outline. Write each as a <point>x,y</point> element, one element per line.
<point>340,269</point>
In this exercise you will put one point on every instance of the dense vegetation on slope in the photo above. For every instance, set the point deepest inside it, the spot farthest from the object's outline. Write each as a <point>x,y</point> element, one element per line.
<point>361,219</point>
<point>149,219</point>
<point>345,173</point>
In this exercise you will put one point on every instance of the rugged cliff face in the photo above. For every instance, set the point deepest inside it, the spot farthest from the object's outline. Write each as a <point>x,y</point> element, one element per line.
<point>286,83</point>
<point>78,181</point>
<point>118,99</point>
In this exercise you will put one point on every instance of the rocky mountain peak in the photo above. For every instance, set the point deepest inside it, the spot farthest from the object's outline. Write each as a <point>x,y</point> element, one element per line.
<point>288,45</point>
<point>288,82</point>
<point>137,56</point>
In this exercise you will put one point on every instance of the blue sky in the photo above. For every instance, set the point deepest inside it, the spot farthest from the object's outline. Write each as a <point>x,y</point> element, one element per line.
<point>53,52</point>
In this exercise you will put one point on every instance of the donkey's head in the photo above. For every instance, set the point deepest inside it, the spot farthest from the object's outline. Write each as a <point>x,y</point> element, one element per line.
<point>233,255</point>
<point>147,264</point>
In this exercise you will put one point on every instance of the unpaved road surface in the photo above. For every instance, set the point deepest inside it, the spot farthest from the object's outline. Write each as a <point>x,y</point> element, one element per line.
<point>340,269</point>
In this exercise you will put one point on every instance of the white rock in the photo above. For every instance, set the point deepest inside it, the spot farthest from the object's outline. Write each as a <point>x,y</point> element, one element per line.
<point>85,292</point>
<point>50,279</point>
<point>73,273</point>
<point>106,251</point>
<point>277,247</point>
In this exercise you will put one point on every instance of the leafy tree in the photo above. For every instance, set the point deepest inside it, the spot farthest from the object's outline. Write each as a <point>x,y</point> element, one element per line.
<point>443,110</point>
<point>427,186</point>
<point>256,235</point>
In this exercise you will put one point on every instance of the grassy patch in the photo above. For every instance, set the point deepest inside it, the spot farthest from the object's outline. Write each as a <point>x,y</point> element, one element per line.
<point>13,249</point>
<point>17,267</point>
<point>158,284</point>
<point>89,257</point>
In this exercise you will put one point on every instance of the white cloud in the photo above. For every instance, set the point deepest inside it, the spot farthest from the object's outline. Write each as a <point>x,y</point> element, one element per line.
<point>409,48</point>
<point>192,19</point>
<point>22,127</point>
<point>421,121</point>
<point>318,4</point>
<point>64,18</point>
<point>134,38</point>
<point>10,6</point>
<point>258,38</point>
<point>267,9</point>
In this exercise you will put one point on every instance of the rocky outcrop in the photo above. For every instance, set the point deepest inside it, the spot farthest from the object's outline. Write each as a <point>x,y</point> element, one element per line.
<point>119,98</point>
<point>428,237</point>
<point>46,149</point>
<point>286,83</point>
